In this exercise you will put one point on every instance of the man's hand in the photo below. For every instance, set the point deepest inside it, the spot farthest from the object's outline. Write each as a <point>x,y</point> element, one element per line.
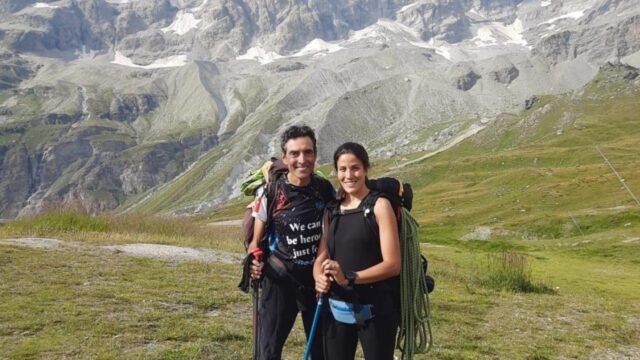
<point>256,264</point>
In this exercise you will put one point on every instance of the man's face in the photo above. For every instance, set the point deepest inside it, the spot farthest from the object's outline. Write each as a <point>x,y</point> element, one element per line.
<point>300,158</point>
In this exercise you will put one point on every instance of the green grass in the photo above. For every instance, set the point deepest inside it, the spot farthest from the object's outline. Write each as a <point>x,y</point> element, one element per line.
<point>86,303</point>
<point>35,136</point>
<point>473,320</point>
<point>538,185</point>
<point>79,305</point>
<point>76,225</point>
<point>53,223</point>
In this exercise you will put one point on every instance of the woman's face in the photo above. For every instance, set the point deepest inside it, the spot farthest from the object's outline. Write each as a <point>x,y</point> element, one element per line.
<point>351,173</point>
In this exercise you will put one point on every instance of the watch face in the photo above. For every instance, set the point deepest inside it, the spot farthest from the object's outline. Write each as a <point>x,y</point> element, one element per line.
<point>351,277</point>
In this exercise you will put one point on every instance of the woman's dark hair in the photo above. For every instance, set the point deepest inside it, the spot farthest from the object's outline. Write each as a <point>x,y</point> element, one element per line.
<point>351,148</point>
<point>294,132</point>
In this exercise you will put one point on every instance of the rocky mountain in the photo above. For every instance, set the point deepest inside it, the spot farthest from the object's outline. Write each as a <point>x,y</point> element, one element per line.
<point>162,106</point>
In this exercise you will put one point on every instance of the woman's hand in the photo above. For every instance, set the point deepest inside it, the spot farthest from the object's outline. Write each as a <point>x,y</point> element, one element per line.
<point>323,284</point>
<point>332,269</point>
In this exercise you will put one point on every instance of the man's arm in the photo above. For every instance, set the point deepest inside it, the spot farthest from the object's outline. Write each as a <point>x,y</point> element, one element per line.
<point>259,230</point>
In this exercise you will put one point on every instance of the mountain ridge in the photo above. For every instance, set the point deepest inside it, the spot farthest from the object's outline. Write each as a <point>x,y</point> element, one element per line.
<point>127,96</point>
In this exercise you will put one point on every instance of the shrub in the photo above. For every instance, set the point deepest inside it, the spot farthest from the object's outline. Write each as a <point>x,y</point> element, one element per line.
<point>510,271</point>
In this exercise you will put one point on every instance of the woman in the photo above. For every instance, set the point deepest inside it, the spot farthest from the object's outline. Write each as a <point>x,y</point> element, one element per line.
<point>358,264</point>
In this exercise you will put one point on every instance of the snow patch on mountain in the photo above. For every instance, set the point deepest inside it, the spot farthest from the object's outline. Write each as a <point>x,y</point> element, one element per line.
<point>484,37</point>
<point>444,52</point>
<point>315,48</point>
<point>496,33</point>
<point>204,3</point>
<point>171,61</point>
<point>397,28</point>
<point>45,5</point>
<point>572,15</point>
<point>260,55</point>
<point>378,32</point>
<point>318,47</point>
<point>409,6</point>
<point>474,15</point>
<point>633,59</point>
<point>441,50</point>
<point>369,33</point>
<point>183,22</point>
<point>545,3</point>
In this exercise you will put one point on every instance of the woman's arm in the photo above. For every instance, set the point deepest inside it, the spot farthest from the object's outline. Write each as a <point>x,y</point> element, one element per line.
<point>389,245</point>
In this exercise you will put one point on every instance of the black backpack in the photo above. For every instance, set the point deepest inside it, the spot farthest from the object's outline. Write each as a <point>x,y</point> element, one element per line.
<point>270,171</point>
<point>400,195</point>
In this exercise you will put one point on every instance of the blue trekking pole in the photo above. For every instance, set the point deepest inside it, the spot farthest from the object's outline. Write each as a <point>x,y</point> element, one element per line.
<point>312,333</point>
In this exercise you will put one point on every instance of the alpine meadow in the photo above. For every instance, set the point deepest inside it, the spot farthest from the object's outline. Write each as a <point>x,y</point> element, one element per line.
<point>128,126</point>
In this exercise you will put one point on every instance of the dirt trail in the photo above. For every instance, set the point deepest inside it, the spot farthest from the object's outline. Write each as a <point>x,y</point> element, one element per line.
<point>154,251</point>
<point>237,222</point>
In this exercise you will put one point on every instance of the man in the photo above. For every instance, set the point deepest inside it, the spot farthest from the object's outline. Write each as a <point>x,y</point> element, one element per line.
<point>294,231</point>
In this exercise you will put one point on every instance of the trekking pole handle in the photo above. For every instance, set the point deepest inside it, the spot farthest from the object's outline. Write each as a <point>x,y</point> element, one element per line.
<point>257,253</point>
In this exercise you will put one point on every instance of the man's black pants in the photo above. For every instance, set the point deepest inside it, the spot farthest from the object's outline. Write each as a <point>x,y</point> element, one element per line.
<point>281,300</point>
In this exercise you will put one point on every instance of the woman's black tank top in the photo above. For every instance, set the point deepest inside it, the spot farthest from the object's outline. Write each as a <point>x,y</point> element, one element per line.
<point>356,246</point>
<point>351,241</point>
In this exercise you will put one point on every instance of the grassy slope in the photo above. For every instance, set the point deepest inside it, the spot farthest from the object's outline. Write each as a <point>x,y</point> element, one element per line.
<point>534,177</point>
<point>542,182</point>
<point>205,178</point>
<point>113,307</point>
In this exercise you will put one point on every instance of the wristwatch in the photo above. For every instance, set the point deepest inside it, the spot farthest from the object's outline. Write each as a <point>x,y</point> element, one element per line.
<point>351,278</point>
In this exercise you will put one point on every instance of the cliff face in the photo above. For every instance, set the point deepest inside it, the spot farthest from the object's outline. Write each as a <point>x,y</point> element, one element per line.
<point>163,106</point>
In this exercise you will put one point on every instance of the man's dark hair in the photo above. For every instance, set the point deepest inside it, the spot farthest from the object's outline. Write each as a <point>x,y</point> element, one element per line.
<point>356,150</point>
<point>294,132</point>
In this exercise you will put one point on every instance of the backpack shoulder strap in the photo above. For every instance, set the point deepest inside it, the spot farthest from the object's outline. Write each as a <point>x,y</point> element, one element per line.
<point>333,212</point>
<point>272,188</point>
<point>368,205</point>
<point>322,188</point>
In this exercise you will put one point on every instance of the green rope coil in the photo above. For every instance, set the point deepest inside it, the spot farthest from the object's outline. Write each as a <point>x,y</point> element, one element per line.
<point>414,336</point>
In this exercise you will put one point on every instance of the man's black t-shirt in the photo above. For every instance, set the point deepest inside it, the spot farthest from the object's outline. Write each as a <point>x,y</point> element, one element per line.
<point>295,226</point>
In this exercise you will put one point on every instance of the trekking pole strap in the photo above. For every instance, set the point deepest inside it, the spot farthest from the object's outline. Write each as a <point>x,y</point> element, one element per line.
<point>257,253</point>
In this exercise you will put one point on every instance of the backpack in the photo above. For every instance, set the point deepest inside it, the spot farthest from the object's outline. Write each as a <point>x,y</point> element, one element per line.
<point>415,284</point>
<point>264,176</point>
<point>400,195</point>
